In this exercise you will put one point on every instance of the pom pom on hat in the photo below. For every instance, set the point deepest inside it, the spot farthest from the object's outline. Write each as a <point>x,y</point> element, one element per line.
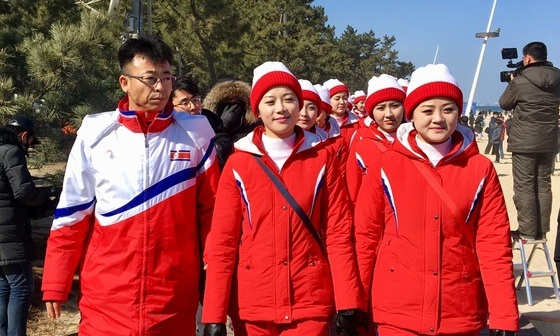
<point>309,92</point>
<point>269,75</point>
<point>431,81</point>
<point>335,86</point>
<point>383,88</point>
<point>325,97</point>
<point>358,97</point>
<point>403,83</point>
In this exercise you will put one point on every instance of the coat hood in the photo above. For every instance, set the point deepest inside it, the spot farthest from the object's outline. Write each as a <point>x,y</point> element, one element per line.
<point>231,91</point>
<point>543,75</point>
<point>462,139</point>
<point>252,143</point>
<point>8,137</point>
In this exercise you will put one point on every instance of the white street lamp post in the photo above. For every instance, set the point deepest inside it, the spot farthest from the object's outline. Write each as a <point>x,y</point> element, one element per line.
<point>486,35</point>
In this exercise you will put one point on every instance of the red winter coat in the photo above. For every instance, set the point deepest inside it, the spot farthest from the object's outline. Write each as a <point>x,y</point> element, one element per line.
<point>367,146</point>
<point>428,278</point>
<point>335,141</point>
<point>263,262</point>
<point>348,126</point>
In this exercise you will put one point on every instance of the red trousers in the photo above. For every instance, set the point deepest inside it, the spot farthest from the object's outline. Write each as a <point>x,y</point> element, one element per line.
<point>306,327</point>
<point>388,330</point>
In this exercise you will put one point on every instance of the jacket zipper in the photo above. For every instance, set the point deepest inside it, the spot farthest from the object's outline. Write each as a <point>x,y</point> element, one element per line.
<point>145,234</point>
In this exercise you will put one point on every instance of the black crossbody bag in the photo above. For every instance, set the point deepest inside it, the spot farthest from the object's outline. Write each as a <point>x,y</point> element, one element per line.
<point>282,188</point>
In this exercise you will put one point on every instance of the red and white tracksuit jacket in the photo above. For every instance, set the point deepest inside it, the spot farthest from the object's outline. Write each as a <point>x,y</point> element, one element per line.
<point>415,259</point>
<point>133,212</point>
<point>263,262</point>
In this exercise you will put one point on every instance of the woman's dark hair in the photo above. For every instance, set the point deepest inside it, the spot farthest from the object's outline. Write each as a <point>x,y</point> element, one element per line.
<point>186,84</point>
<point>150,46</point>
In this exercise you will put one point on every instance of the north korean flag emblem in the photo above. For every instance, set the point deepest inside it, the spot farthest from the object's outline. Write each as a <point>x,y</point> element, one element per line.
<point>180,155</point>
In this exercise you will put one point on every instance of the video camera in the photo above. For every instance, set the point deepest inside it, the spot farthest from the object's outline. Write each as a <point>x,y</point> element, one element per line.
<point>510,53</point>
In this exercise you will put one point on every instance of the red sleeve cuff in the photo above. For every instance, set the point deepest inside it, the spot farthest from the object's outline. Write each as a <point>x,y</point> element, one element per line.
<point>55,296</point>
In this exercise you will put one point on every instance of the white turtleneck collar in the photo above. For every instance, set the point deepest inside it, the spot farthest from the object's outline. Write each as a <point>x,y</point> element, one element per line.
<point>279,150</point>
<point>390,136</point>
<point>435,152</point>
<point>339,120</point>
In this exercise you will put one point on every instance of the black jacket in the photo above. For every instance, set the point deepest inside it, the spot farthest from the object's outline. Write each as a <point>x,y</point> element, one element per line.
<point>17,191</point>
<point>534,95</point>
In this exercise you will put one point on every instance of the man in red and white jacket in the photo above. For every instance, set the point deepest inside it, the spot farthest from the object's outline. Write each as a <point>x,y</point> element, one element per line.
<point>136,207</point>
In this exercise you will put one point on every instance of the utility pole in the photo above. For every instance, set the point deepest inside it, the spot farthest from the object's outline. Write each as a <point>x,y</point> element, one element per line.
<point>136,22</point>
<point>134,19</point>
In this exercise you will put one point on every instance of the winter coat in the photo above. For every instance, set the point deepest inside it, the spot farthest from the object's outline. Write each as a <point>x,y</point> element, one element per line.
<point>497,135</point>
<point>534,95</point>
<point>134,209</point>
<point>491,126</point>
<point>478,124</point>
<point>17,192</point>
<point>336,142</point>
<point>263,263</point>
<point>428,278</point>
<point>229,99</point>
<point>348,125</point>
<point>367,146</point>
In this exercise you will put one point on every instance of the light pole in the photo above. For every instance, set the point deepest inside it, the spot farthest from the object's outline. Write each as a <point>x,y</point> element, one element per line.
<point>486,35</point>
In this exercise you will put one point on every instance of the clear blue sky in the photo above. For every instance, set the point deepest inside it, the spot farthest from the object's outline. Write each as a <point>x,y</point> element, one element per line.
<point>420,26</point>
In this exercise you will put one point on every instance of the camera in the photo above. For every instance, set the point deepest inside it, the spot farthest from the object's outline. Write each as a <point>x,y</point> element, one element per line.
<point>510,53</point>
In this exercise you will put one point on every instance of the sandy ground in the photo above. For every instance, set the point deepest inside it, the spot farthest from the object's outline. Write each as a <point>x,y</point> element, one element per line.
<point>544,314</point>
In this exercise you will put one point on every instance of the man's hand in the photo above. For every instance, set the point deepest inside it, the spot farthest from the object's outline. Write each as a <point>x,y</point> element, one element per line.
<point>53,309</point>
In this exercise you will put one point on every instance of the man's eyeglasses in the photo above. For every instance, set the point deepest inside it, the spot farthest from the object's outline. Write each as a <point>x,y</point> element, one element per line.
<point>195,100</point>
<point>153,80</point>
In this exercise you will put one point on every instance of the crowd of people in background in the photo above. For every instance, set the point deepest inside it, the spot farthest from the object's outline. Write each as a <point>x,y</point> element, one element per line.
<point>285,206</point>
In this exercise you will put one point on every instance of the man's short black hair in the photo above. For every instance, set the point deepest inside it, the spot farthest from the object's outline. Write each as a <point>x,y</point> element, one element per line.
<point>150,46</point>
<point>537,50</point>
<point>186,84</point>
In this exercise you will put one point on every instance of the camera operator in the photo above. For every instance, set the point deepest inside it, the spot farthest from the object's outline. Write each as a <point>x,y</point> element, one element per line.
<point>534,96</point>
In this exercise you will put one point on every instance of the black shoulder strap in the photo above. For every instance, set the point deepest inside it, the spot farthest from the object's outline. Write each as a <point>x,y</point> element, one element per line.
<point>282,188</point>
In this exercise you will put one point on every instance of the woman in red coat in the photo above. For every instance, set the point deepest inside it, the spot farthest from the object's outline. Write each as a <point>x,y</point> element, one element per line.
<point>432,233</point>
<point>384,105</point>
<point>347,120</point>
<point>266,268</point>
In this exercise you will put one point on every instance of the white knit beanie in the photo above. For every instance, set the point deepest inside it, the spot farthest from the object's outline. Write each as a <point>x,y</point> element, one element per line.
<point>325,97</point>
<point>403,83</point>
<point>309,92</point>
<point>335,86</point>
<point>359,96</point>
<point>431,81</point>
<point>269,75</point>
<point>383,88</point>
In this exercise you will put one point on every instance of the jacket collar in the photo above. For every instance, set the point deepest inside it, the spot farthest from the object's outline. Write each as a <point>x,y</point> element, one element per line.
<point>348,118</point>
<point>137,122</point>
<point>462,140</point>
<point>252,143</point>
